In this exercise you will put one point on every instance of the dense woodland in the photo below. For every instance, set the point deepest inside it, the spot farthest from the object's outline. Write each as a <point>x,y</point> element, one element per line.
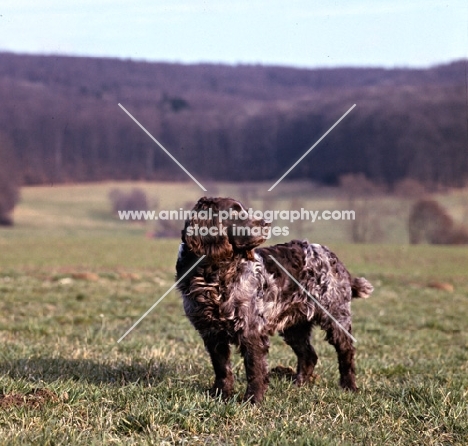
<point>60,118</point>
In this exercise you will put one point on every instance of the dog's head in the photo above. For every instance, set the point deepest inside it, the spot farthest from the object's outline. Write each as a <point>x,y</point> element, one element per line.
<point>222,227</point>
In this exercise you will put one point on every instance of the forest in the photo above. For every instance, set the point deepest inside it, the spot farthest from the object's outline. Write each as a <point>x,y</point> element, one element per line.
<point>61,122</point>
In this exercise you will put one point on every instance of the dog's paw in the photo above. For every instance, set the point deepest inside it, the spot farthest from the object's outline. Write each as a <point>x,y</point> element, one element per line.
<point>353,389</point>
<point>283,372</point>
<point>252,398</point>
<point>349,384</point>
<point>301,380</point>
<point>221,391</point>
<point>289,374</point>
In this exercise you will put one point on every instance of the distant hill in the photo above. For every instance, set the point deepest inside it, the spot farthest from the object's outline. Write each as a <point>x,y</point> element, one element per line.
<point>244,122</point>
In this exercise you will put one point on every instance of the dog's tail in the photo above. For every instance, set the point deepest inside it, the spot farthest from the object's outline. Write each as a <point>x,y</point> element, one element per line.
<point>361,288</point>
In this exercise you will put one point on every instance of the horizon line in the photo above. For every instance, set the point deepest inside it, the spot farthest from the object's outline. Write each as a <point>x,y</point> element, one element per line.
<point>370,66</point>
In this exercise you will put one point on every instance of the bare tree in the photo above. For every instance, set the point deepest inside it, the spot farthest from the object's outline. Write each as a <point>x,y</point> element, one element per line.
<point>409,188</point>
<point>296,204</point>
<point>135,200</point>
<point>361,193</point>
<point>430,223</point>
<point>9,182</point>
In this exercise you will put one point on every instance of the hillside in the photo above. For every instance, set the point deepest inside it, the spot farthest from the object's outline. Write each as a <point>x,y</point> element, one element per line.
<point>61,118</point>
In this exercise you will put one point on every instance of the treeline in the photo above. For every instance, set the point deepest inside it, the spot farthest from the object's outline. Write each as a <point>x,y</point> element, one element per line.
<point>62,120</point>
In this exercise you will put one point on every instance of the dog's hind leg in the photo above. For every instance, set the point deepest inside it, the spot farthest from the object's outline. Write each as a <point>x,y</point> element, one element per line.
<point>345,350</point>
<point>298,338</point>
<point>220,353</point>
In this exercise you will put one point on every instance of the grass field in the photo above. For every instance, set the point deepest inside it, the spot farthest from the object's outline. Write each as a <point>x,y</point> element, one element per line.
<point>73,280</point>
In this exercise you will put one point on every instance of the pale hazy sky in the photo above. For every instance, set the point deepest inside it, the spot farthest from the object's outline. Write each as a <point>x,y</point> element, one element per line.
<point>388,33</point>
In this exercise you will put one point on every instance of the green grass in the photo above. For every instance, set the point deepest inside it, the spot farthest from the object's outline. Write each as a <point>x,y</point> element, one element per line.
<point>71,287</point>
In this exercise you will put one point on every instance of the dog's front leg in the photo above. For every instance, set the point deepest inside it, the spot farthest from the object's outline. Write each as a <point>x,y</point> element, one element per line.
<point>220,352</point>
<point>254,349</point>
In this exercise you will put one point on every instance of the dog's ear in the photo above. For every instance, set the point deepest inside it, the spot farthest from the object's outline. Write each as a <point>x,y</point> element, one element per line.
<point>204,234</point>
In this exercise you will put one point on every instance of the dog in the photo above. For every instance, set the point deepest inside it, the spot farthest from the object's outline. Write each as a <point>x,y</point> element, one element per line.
<point>240,294</point>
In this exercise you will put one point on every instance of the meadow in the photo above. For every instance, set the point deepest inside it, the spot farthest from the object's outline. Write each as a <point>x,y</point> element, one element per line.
<point>73,279</point>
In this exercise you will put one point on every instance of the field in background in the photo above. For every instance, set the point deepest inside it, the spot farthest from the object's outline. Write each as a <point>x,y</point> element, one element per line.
<point>85,209</point>
<point>73,279</point>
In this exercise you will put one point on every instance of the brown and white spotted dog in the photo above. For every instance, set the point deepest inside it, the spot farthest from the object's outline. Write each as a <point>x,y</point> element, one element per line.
<point>239,295</point>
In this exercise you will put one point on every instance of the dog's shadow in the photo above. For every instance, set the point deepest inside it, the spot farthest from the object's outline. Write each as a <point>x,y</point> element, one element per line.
<point>49,369</point>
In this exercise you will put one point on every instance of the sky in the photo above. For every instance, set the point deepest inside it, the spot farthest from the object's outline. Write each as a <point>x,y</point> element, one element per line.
<point>301,33</point>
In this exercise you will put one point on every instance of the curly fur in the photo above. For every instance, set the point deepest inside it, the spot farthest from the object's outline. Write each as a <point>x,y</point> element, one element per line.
<point>239,295</point>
